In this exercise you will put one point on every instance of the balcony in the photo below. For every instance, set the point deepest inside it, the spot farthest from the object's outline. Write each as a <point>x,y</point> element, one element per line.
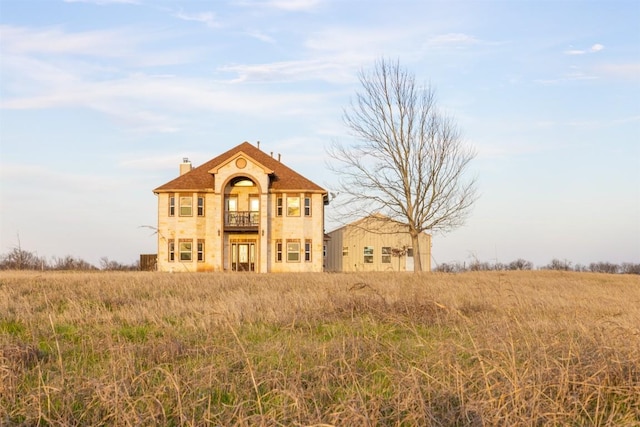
<point>241,221</point>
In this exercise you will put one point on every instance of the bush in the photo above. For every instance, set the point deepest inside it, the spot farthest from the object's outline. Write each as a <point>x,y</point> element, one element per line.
<point>19,259</point>
<point>521,264</point>
<point>604,267</point>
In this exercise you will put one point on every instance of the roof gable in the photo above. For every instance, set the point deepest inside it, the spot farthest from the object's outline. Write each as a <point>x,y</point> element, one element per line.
<point>375,223</point>
<point>239,154</point>
<point>201,178</point>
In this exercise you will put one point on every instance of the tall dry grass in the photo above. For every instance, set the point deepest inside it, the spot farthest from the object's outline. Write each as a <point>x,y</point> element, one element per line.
<point>479,349</point>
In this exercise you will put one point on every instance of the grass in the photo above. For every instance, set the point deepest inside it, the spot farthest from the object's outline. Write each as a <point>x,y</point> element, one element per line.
<point>482,349</point>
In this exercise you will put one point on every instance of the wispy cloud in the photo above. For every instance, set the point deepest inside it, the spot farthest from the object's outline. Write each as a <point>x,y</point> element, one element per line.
<point>290,71</point>
<point>568,77</point>
<point>294,5</point>
<point>261,36</point>
<point>286,5</point>
<point>593,49</point>
<point>629,71</point>
<point>54,40</point>
<point>148,103</point>
<point>47,179</point>
<point>104,2</point>
<point>457,40</point>
<point>61,46</point>
<point>152,161</point>
<point>207,18</point>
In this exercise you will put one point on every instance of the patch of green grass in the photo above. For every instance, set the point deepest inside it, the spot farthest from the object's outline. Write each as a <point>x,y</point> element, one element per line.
<point>67,332</point>
<point>13,327</point>
<point>135,333</point>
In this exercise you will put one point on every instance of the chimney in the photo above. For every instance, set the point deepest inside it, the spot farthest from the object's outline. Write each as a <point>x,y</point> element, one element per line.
<point>258,144</point>
<point>185,166</point>
<point>278,156</point>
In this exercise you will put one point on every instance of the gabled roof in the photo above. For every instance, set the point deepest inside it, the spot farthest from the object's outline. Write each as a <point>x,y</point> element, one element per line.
<point>372,220</point>
<point>362,222</point>
<point>282,178</point>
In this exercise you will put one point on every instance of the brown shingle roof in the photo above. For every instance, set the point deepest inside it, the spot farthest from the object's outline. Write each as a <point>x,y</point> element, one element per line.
<point>283,178</point>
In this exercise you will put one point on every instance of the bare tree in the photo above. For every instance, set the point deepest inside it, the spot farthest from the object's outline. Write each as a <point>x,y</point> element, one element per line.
<point>408,161</point>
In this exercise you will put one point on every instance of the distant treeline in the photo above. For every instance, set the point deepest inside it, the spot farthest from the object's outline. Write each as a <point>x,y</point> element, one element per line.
<point>555,264</point>
<point>20,259</point>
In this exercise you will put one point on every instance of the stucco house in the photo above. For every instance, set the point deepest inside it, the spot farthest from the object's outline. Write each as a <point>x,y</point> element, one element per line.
<point>375,243</point>
<point>243,210</point>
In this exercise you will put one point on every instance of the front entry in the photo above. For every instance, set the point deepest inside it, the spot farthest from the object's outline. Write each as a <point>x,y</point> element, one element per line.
<point>243,256</point>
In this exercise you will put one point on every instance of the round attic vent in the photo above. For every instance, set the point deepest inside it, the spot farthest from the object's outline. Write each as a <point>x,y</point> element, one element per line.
<point>241,163</point>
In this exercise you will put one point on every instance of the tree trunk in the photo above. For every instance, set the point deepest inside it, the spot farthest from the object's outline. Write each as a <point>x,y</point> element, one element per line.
<point>417,259</point>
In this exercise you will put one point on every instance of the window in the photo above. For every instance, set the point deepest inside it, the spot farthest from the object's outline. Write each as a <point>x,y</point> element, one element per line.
<point>307,206</point>
<point>200,250</point>
<point>185,205</point>
<point>172,205</point>
<point>254,208</point>
<point>345,250</point>
<point>200,205</point>
<point>368,254</point>
<point>293,251</point>
<point>307,250</point>
<point>278,250</point>
<point>293,206</point>
<point>232,203</point>
<point>279,206</point>
<point>386,254</point>
<point>185,250</point>
<point>172,250</point>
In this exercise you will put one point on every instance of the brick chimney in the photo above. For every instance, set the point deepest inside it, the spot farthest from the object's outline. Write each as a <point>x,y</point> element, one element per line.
<point>185,166</point>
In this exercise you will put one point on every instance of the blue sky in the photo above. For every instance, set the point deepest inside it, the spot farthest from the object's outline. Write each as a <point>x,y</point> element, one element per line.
<point>101,99</point>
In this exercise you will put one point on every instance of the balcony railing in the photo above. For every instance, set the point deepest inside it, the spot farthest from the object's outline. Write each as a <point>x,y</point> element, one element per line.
<point>242,219</point>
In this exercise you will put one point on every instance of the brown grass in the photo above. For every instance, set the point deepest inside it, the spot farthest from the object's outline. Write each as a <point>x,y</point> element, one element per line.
<point>479,349</point>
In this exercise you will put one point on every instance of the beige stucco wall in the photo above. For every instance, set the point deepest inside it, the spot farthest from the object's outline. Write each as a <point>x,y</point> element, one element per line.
<point>301,227</point>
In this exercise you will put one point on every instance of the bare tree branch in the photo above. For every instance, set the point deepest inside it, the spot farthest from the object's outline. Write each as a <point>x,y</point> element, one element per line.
<point>408,161</point>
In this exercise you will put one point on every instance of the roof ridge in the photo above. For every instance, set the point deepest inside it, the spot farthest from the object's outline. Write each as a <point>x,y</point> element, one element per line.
<point>199,177</point>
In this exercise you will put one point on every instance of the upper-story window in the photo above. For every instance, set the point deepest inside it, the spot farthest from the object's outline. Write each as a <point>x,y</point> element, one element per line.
<point>232,203</point>
<point>172,205</point>
<point>279,206</point>
<point>254,209</point>
<point>200,205</point>
<point>293,206</point>
<point>307,205</point>
<point>186,205</point>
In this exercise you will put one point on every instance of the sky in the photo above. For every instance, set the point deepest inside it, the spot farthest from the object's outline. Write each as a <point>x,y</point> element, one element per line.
<point>101,99</point>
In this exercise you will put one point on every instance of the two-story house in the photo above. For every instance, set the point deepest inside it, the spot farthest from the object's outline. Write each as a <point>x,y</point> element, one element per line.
<point>243,210</point>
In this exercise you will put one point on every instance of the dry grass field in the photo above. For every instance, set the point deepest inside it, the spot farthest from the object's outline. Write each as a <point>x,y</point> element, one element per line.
<point>528,348</point>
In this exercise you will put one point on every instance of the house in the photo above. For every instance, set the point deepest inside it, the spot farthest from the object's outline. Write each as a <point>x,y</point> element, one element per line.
<point>375,243</point>
<point>243,210</point>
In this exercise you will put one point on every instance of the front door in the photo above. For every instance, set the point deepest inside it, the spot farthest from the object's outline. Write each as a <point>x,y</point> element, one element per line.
<point>243,256</point>
<point>408,266</point>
